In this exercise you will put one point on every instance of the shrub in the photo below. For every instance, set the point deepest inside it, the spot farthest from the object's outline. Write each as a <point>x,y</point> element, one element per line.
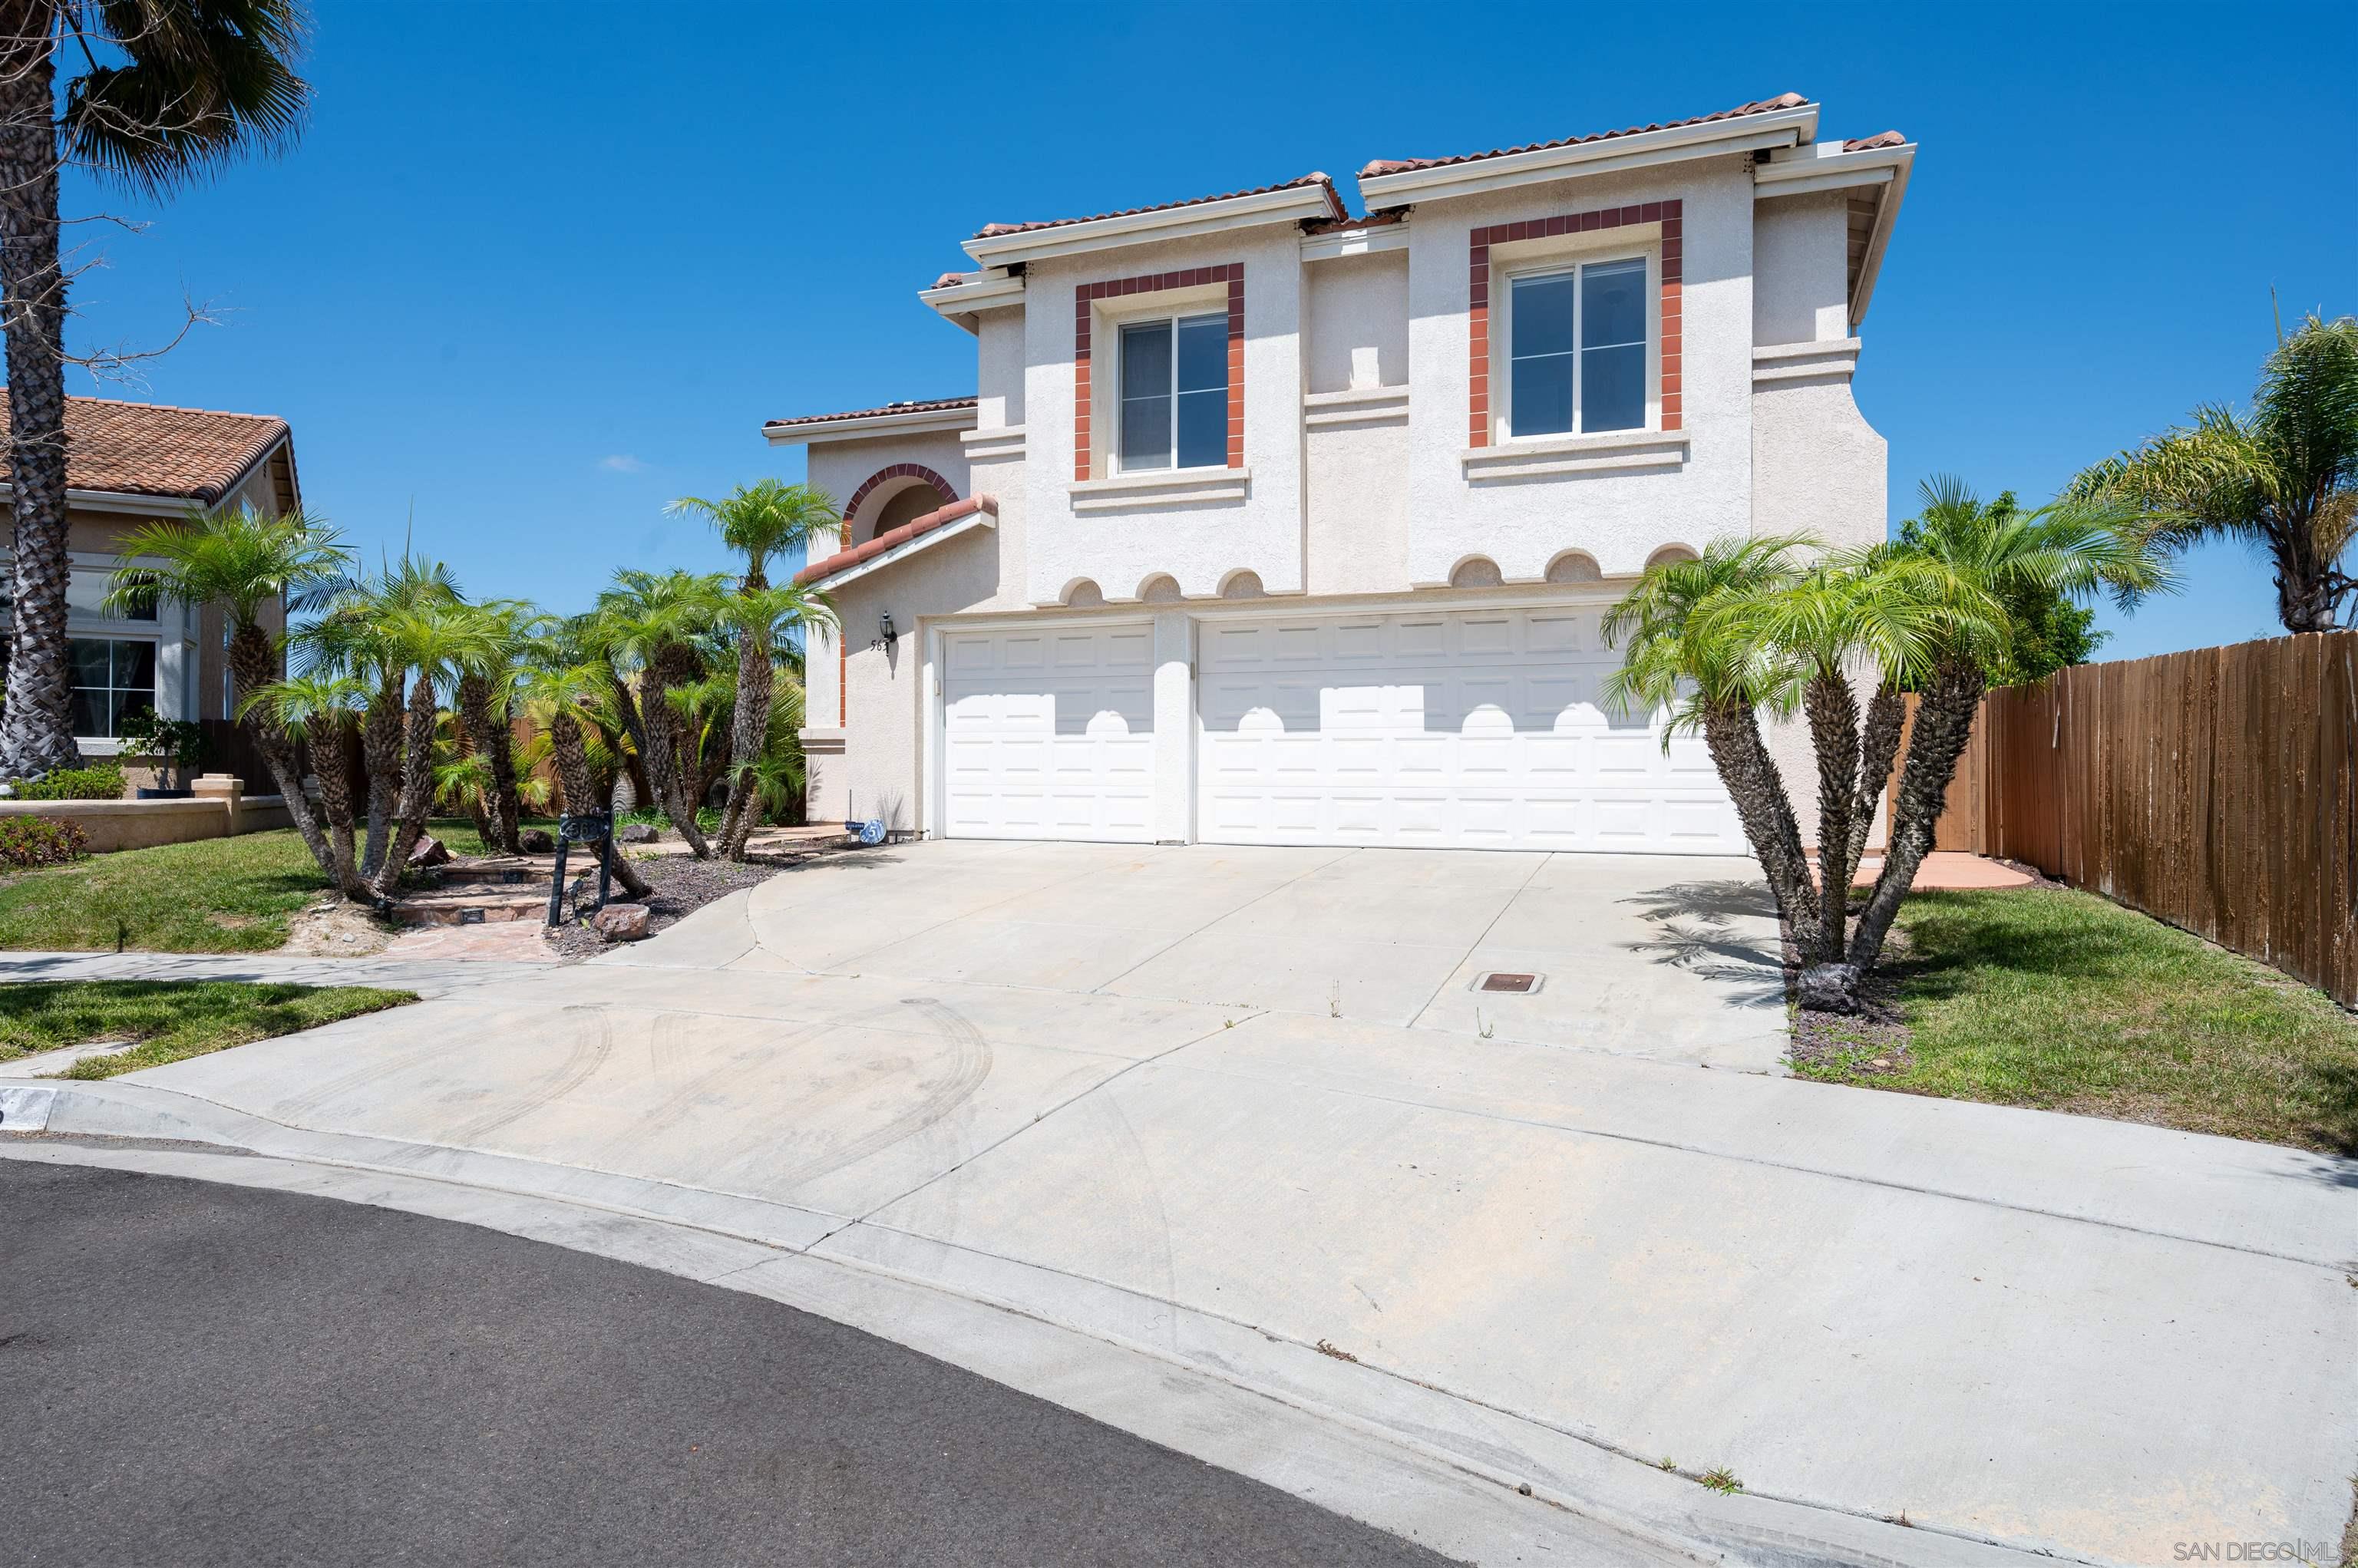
<point>100,781</point>
<point>40,841</point>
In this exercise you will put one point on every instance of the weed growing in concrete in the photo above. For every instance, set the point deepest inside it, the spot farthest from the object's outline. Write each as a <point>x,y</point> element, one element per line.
<point>1722,1480</point>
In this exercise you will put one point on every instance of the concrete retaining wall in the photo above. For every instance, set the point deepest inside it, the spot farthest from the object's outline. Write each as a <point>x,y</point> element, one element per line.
<point>215,813</point>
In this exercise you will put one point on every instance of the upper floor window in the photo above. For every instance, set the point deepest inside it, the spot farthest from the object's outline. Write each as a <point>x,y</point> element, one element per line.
<point>1175,393</point>
<point>1576,349</point>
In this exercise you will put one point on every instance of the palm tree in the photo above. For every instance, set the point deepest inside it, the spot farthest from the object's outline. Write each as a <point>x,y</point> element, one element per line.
<point>483,697</point>
<point>244,560</point>
<point>324,710</point>
<point>1683,660</point>
<point>439,642</point>
<point>354,637</point>
<point>760,520</point>
<point>2283,476</point>
<point>1964,562</point>
<point>653,625</point>
<point>190,86</point>
<point>556,690</point>
<point>762,620</point>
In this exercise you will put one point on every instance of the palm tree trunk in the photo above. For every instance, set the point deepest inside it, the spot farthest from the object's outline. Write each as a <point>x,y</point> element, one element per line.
<point>1832,712</point>
<point>250,667</point>
<point>336,804</point>
<point>1887,718</point>
<point>658,749</point>
<point>37,727</point>
<point>1732,734</point>
<point>416,786</point>
<point>1944,722</point>
<point>381,757</point>
<point>2305,596</point>
<point>570,752</point>
<point>749,729</point>
<point>487,728</point>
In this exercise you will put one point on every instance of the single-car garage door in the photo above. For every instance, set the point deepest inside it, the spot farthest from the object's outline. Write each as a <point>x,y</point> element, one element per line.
<point>1473,729</point>
<point>1049,734</point>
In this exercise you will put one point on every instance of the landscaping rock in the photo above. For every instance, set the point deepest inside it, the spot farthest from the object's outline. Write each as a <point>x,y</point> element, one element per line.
<point>1829,987</point>
<point>428,851</point>
<point>621,921</point>
<point>638,833</point>
<point>536,842</point>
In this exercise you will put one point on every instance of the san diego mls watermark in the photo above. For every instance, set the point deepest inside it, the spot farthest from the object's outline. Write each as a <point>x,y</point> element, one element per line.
<point>2315,1552</point>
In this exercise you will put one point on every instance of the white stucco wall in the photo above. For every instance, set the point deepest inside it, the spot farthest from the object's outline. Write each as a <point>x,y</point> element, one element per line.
<point>1358,321</point>
<point>1620,517</point>
<point>840,468</point>
<point>1198,543</point>
<point>1358,506</point>
<point>1801,269</point>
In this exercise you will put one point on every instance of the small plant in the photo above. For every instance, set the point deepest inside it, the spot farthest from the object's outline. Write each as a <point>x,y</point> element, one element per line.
<point>1338,1354</point>
<point>29,841</point>
<point>100,781</point>
<point>1722,1480</point>
<point>1484,1027</point>
<point>1666,1463</point>
<point>176,744</point>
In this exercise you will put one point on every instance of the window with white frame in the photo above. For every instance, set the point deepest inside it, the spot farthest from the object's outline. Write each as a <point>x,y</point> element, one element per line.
<point>1175,393</point>
<point>1576,349</point>
<point>114,677</point>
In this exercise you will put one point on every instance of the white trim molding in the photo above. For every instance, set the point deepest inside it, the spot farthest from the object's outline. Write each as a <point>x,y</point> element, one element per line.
<point>1834,359</point>
<point>1365,242</point>
<point>986,291</point>
<point>1161,487</point>
<point>981,517</point>
<point>887,424</point>
<point>1544,457</point>
<point>1290,204</point>
<point>982,446</point>
<point>1359,405</point>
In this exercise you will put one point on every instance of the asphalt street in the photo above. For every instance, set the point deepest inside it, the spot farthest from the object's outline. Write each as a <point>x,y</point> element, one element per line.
<point>199,1374</point>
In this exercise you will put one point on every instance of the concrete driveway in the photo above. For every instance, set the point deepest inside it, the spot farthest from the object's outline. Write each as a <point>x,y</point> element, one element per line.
<point>1232,1112</point>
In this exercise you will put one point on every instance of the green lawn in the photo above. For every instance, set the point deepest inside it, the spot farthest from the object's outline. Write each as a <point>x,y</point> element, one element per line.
<point>216,895</point>
<point>2064,1000</point>
<point>172,1020</point>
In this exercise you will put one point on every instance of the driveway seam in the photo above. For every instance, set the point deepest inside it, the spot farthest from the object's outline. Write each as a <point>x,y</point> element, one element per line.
<point>1537,866</point>
<point>2340,1267</point>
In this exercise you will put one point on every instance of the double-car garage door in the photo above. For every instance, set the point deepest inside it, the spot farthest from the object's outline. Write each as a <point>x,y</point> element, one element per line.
<point>1463,729</point>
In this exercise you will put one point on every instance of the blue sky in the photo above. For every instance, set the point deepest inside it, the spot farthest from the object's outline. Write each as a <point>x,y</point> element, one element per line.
<point>535,269</point>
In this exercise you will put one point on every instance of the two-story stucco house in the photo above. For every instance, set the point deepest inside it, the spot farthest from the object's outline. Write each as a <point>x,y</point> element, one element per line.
<point>1274,524</point>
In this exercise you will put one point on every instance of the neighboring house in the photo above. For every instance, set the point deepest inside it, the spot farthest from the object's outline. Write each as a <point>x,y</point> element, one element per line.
<point>128,464</point>
<point>1272,524</point>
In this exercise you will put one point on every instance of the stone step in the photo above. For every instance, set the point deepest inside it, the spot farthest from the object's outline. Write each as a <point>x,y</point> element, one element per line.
<point>504,870</point>
<point>472,905</point>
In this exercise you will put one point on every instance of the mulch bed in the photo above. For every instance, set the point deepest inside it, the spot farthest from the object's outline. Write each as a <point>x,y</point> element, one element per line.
<point>683,885</point>
<point>1872,1043</point>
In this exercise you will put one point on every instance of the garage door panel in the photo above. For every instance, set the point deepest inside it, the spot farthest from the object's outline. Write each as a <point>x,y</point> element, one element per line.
<point>1049,734</point>
<point>1471,729</point>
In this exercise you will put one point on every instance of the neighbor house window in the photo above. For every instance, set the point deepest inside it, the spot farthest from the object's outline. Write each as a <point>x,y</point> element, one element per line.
<point>1577,351</point>
<point>1175,393</point>
<point>113,679</point>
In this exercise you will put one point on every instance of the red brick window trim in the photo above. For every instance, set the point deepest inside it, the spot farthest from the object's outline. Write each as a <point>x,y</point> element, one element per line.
<point>1668,214</point>
<point>1083,297</point>
<point>885,476</point>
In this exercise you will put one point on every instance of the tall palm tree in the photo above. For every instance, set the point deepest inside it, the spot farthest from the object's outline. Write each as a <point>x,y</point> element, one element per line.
<point>556,690</point>
<point>192,83</point>
<point>483,699</point>
<point>438,643</point>
<point>243,561</point>
<point>324,710</point>
<point>354,636</point>
<point>760,520</point>
<point>653,625</point>
<point>1687,662</point>
<point>1963,563</point>
<point>763,619</point>
<point>2283,478</point>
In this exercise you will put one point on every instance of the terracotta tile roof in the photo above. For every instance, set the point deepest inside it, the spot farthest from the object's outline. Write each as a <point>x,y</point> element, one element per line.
<point>1880,139</point>
<point>954,279</point>
<point>1398,165</point>
<point>925,406</point>
<point>1335,201</point>
<point>150,448</point>
<point>843,560</point>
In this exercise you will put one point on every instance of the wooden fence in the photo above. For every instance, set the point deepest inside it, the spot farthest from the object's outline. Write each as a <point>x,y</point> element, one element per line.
<point>2217,790</point>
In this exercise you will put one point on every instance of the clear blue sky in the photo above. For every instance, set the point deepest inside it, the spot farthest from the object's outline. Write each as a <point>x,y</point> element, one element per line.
<point>535,269</point>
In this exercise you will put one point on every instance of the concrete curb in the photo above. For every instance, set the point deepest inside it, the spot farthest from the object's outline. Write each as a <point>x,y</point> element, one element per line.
<point>1478,1483</point>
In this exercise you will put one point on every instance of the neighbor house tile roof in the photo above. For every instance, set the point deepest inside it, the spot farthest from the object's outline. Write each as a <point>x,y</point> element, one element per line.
<point>1880,139</point>
<point>843,560</point>
<point>1398,165</point>
<point>149,448</point>
<point>925,406</point>
<point>1334,202</point>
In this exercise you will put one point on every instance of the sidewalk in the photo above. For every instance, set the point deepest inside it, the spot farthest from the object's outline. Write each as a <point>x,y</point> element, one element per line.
<point>427,978</point>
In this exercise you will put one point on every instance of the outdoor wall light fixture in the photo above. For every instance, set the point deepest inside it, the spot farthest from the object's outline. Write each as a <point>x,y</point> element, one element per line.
<point>884,630</point>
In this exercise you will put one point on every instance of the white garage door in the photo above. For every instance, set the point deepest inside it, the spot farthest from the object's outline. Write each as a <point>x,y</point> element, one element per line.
<point>1049,734</point>
<point>1467,729</point>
